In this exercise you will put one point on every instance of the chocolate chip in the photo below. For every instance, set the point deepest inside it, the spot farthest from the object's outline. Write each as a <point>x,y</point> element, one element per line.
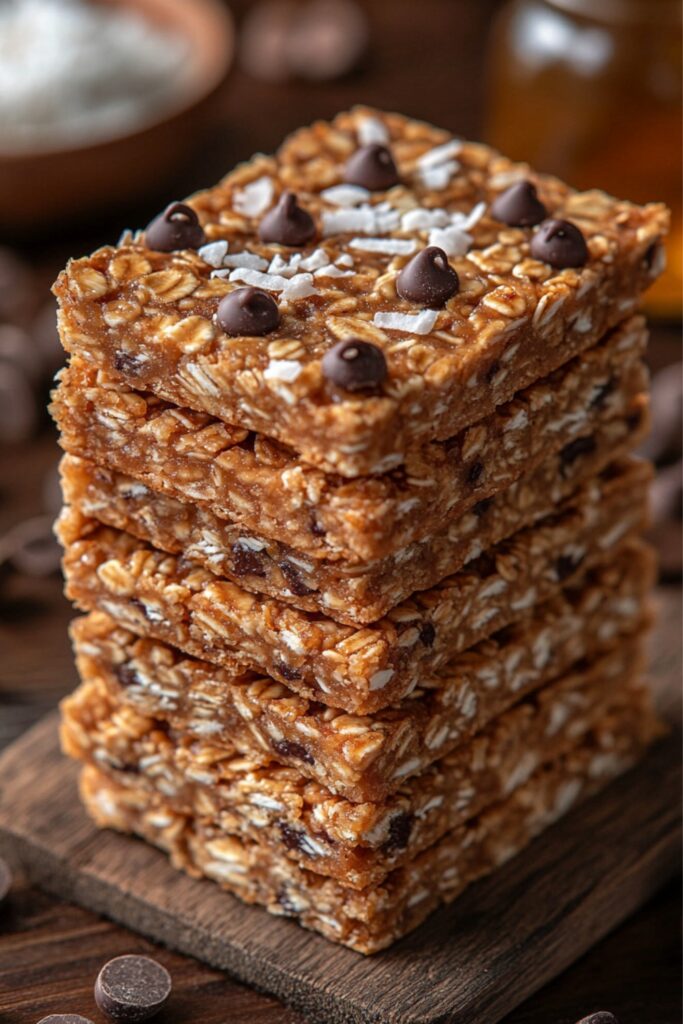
<point>126,675</point>
<point>559,243</point>
<point>294,581</point>
<point>566,566</point>
<point>601,1017</point>
<point>246,561</point>
<point>474,473</point>
<point>372,167</point>
<point>428,278</point>
<point>132,988</point>
<point>519,206</point>
<point>327,40</point>
<point>248,312</point>
<point>427,634</point>
<point>400,828</point>
<point>65,1018</point>
<point>5,879</point>
<point>287,223</point>
<point>176,228</point>
<point>297,751</point>
<point>127,364</point>
<point>286,671</point>
<point>355,365</point>
<point>572,451</point>
<point>291,837</point>
<point>482,507</point>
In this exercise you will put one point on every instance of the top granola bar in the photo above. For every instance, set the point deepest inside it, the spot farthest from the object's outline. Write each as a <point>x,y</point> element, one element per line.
<point>337,352</point>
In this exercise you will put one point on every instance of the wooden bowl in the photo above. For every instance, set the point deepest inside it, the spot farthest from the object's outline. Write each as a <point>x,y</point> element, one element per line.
<point>41,188</point>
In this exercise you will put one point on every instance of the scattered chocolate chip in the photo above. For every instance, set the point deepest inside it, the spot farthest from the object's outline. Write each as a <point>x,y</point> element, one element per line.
<point>355,365</point>
<point>176,228</point>
<point>482,507</point>
<point>297,751</point>
<point>427,634</point>
<point>18,406</point>
<point>572,451</point>
<point>294,580</point>
<point>602,393</point>
<point>65,1018</point>
<point>126,675</point>
<point>519,206</point>
<point>327,40</point>
<point>474,473</point>
<point>428,278</point>
<point>246,561</point>
<point>287,223</point>
<point>372,167</point>
<point>5,879</point>
<point>566,566</point>
<point>127,364</point>
<point>132,988</point>
<point>602,1017</point>
<point>400,828</point>
<point>559,243</point>
<point>248,311</point>
<point>286,671</point>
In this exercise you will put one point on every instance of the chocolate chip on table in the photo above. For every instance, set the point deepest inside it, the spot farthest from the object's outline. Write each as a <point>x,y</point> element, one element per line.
<point>176,228</point>
<point>327,39</point>
<point>5,879</point>
<point>559,243</point>
<point>287,223</point>
<point>372,167</point>
<point>18,406</point>
<point>519,206</point>
<point>428,278</point>
<point>355,365</point>
<point>65,1018</point>
<point>132,988</point>
<point>248,312</point>
<point>601,1017</point>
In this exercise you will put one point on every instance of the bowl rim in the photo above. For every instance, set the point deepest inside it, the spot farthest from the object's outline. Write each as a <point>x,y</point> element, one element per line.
<point>222,24</point>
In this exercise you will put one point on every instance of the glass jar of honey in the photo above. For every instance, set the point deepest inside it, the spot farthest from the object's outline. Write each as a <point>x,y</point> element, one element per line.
<point>590,90</point>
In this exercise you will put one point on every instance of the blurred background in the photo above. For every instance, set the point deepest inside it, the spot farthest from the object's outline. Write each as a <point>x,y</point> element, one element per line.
<point>109,110</point>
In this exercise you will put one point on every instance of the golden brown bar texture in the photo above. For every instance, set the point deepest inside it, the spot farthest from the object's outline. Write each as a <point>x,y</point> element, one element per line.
<point>359,669</point>
<point>148,316</point>
<point>371,919</point>
<point>365,758</point>
<point>271,491</point>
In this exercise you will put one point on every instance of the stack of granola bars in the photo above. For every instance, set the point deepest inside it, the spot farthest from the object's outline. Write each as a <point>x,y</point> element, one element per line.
<point>350,506</point>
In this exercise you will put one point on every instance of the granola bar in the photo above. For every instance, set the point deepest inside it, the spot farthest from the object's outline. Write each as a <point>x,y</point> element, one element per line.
<point>365,758</point>
<point>358,844</point>
<point>268,489</point>
<point>359,669</point>
<point>348,593</point>
<point>371,919</point>
<point>522,301</point>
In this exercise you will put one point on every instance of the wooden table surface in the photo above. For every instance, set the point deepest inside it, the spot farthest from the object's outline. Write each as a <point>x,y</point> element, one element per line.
<point>50,952</point>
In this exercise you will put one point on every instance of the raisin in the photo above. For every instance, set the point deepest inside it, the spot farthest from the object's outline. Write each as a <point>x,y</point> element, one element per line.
<point>400,828</point>
<point>571,452</point>
<point>125,363</point>
<point>288,748</point>
<point>126,675</point>
<point>294,581</point>
<point>482,507</point>
<point>427,634</point>
<point>246,561</point>
<point>566,565</point>
<point>286,671</point>
<point>474,472</point>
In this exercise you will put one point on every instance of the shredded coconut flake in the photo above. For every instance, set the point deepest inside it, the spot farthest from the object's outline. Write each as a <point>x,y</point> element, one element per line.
<point>344,260</point>
<point>300,287</point>
<point>422,219</point>
<point>440,154</point>
<point>390,246</point>
<point>214,253</point>
<point>282,369</point>
<point>242,259</point>
<point>453,240</point>
<point>331,271</point>
<point>254,198</point>
<point>372,130</point>
<point>439,177</point>
<point>271,282</point>
<point>411,323</point>
<point>345,195</point>
<point>368,220</point>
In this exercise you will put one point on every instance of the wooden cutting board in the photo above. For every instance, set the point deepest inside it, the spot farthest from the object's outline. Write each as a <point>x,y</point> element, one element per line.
<point>471,963</point>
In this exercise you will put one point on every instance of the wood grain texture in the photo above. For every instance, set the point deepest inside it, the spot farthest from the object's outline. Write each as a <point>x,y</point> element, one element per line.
<point>471,963</point>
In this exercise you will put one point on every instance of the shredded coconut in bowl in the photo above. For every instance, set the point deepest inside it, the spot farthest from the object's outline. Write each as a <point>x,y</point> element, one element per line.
<point>73,72</point>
